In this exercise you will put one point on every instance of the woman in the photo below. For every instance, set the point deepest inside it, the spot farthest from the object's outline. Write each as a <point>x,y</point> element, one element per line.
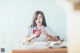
<point>39,31</point>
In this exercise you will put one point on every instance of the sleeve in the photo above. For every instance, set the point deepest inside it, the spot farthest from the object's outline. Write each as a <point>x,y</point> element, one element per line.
<point>29,30</point>
<point>27,34</point>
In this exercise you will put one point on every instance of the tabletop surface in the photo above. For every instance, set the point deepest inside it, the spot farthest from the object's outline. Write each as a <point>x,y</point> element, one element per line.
<point>60,50</point>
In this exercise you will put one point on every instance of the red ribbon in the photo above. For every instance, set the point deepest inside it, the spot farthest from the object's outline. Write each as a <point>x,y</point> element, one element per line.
<point>34,32</point>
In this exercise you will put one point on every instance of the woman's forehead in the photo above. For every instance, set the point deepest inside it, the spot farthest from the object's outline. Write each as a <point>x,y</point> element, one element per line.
<point>39,15</point>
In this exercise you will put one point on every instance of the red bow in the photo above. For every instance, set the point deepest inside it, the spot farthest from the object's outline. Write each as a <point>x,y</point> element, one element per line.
<point>35,31</point>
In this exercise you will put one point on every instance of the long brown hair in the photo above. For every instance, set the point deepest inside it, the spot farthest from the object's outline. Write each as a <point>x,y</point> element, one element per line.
<point>35,17</point>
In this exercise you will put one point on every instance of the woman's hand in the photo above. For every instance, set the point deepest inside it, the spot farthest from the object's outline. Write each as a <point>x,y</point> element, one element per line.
<point>45,32</point>
<point>37,33</point>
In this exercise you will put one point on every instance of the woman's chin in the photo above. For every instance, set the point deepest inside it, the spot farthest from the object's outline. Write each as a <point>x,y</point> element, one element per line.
<point>39,24</point>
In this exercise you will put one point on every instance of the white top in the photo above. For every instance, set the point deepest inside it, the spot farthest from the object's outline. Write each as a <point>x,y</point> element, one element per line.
<point>42,37</point>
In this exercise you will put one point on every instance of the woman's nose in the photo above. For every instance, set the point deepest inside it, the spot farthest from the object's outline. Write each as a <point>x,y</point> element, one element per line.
<point>38,19</point>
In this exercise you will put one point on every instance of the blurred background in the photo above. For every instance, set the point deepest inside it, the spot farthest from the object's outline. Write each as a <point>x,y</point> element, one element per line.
<point>16,16</point>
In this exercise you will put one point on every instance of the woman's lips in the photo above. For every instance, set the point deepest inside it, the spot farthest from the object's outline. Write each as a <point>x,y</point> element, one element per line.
<point>39,22</point>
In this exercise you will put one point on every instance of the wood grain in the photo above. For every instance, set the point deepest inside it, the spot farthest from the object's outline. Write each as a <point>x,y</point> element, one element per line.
<point>55,50</point>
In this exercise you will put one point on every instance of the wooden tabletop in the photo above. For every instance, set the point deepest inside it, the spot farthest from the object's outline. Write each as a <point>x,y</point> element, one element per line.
<point>54,50</point>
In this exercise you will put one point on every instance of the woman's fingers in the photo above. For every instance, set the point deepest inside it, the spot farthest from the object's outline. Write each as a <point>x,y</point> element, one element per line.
<point>37,33</point>
<point>44,32</point>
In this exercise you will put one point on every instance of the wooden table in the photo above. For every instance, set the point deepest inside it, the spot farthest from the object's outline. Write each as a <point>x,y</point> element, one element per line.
<point>54,50</point>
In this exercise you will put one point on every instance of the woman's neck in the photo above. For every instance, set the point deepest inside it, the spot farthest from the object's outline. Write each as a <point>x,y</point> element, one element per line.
<point>39,26</point>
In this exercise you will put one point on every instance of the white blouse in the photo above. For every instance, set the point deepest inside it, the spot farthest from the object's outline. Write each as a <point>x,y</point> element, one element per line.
<point>42,37</point>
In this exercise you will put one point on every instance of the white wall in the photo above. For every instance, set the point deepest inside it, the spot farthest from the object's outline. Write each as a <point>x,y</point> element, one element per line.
<point>16,15</point>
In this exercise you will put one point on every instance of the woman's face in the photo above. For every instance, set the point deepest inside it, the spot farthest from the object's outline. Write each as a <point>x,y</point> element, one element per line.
<point>39,20</point>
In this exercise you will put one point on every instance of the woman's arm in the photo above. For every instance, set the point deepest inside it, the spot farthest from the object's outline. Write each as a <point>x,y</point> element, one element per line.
<point>54,38</point>
<point>28,39</point>
<point>37,34</point>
